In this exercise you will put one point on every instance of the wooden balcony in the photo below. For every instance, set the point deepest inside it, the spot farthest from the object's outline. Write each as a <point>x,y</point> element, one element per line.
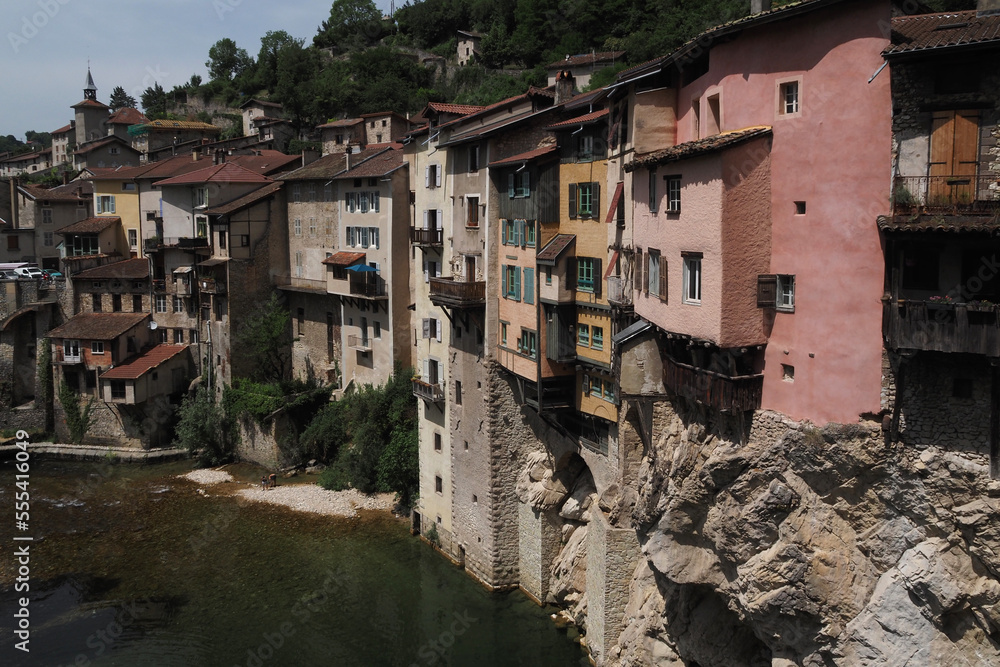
<point>619,291</point>
<point>457,294</point>
<point>946,195</point>
<point>156,243</point>
<point>427,391</point>
<point>722,392</point>
<point>211,286</point>
<point>429,237</point>
<point>969,328</point>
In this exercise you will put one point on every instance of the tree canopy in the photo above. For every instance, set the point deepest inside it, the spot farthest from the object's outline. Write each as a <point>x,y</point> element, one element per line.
<point>121,100</point>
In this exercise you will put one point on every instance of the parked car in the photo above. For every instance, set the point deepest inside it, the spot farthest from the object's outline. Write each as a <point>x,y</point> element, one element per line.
<point>8,275</point>
<point>29,272</point>
<point>52,274</point>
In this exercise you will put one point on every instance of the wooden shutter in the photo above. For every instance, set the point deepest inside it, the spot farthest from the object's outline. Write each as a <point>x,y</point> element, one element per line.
<point>510,185</point>
<point>427,176</point>
<point>637,269</point>
<point>573,201</point>
<point>767,291</point>
<point>954,153</point>
<point>437,175</point>
<point>519,233</point>
<point>426,326</point>
<point>503,280</point>
<point>663,279</point>
<point>517,283</point>
<point>529,286</point>
<point>439,220</point>
<point>375,203</point>
<point>598,276</point>
<point>437,329</point>
<point>595,202</point>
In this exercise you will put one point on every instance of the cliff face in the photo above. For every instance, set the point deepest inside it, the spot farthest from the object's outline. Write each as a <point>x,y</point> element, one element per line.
<point>808,546</point>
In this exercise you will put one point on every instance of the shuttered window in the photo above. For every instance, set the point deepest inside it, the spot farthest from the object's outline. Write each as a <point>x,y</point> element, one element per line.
<point>954,157</point>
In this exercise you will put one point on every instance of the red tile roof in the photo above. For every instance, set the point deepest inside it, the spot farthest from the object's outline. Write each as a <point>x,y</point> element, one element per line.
<point>64,129</point>
<point>98,326</point>
<point>923,32</point>
<point>227,172</point>
<point>463,109</point>
<point>268,162</point>
<point>50,194</point>
<point>260,102</point>
<point>137,366</point>
<point>698,147</point>
<point>326,167</point>
<point>526,157</point>
<point>585,119</point>
<point>101,143</point>
<point>555,247</point>
<point>90,225</point>
<point>129,269</point>
<point>127,116</point>
<point>586,59</point>
<point>344,258</point>
<point>346,122</point>
<point>382,163</point>
<point>93,104</point>
<point>173,125</point>
<point>245,200</point>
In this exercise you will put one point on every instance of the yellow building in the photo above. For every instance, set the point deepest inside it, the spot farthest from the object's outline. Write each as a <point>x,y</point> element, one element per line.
<point>116,193</point>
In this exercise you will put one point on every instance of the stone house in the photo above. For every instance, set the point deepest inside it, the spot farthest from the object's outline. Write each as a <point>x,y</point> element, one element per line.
<point>39,213</point>
<point>255,108</point>
<point>583,66</point>
<point>119,122</point>
<point>90,343</point>
<point>118,287</point>
<point>342,136</point>
<point>941,275</point>
<point>384,127</point>
<point>150,137</point>
<point>468,46</point>
<point>27,163</point>
<point>61,141</point>
<point>111,151</point>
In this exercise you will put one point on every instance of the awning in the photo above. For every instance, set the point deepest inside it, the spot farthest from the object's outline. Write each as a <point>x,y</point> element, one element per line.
<point>344,258</point>
<point>214,261</point>
<point>184,269</point>
<point>362,268</point>
<point>613,209</point>
<point>611,265</point>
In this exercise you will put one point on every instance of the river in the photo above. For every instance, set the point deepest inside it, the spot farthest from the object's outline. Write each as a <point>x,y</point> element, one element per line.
<point>132,566</point>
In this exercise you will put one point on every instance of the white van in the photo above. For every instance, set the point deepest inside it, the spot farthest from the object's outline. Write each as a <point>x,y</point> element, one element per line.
<point>28,272</point>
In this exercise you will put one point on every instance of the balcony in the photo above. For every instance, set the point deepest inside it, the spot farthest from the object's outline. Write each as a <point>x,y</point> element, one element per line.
<point>555,393</point>
<point>430,237</point>
<point>619,291</point>
<point>156,243</point>
<point>361,343</point>
<point>457,294</point>
<point>182,287</point>
<point>159,285</point>
<point>372,288</point>
<point>297,284</point>
<point>722,392</point>
<point>941,327</point>
<point>211,286</point>
<point>946,195</point>
<point>427,391</point>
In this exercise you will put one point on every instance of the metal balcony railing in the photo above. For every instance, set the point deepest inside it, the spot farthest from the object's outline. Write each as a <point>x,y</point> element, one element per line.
<point>427,391</point>
<point>955,194</point>
<point>423,236</point>
<point>362,343</point>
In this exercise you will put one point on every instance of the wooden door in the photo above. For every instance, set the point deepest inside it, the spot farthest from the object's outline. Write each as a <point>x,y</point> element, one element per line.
<point>953,159</point>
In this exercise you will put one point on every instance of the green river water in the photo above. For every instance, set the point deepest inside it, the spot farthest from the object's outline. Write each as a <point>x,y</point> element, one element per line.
<point>133,566</point>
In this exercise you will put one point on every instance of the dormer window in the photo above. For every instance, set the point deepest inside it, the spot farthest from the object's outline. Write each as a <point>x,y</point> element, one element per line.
<point>200,197</point>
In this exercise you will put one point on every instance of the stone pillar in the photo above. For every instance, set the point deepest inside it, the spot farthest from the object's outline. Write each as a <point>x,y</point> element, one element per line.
<point>612,554</point>
<point>539,541</point>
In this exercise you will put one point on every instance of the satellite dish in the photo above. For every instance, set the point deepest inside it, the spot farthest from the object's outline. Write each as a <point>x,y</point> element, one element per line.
<point>153,325</point>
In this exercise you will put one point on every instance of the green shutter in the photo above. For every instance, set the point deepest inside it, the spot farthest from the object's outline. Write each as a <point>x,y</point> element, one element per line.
<point>517,283</point>
<point>595,201</point>
<point>573,200</point>
<point>598,277</point>
<point>529,286</point>
<point>503,278</point>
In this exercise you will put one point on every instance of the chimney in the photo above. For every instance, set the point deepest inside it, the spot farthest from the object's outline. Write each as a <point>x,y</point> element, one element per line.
<point>987,7</point>
<point>758,6</point>
<point>564,86</point>
<point>220,156</point>
<point>195,153</point>
<point>65,178</point>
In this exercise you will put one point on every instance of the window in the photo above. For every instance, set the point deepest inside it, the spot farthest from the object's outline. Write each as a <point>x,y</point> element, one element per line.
<point>585,148</point>
<point>585,274</point>
<point>312,226</point>
<point>519,184</point>
<point>96,305</point>
<point>136,303</point>
<point>438,484</point>
<point>311,191</point>
<point>528,343</point>
<point>161,303</point>
<point>653,196</point>
<point>193,336</point>
<point>201,224</point>
<point>351,202</point>
<point>97,347</point>
<point>584,200</point>
<point>432,176</point>
<point>133,239</point>
<point>298,227</point>
<point>597,338</point>
<point>458,392</point>
<point>47,239</point>
<point>656,274</point>
<point>583,335</point>
<point>529,233</point>
<point>673,194</point>
<point>377,328</point>
<point>437,442</point>
<point>786,293</point>
<point>787,373</point>
<point>116,303</point>
<point>200,197</point>
<point>511,279</point>
<point>298,263</point>
<point>529,285</point>
<point>328,191</point>
<point>300,323</point>
<point>178,336</point>
<point>296,192</point>
<point>114,150</point>
<point>118,389</point>
<point>503,333</point>
<point>47,216</point>
<point>788,98</point>
<point>104,204</point>
<point>800,208</point>
<point>71,350</point>
<point>472,215</point>
<point>473,159</point>
<point>692,278</point>
<point>128,187</point>
<point>13,243</point>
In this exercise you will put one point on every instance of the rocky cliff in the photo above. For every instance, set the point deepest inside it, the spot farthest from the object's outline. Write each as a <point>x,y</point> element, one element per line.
<point>776,543</point>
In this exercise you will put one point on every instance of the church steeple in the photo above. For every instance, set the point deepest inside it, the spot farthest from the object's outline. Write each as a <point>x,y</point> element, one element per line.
<point>90,90</point>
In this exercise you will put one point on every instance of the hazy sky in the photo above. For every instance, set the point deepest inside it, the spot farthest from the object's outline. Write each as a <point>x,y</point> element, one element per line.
<point>130,43</point>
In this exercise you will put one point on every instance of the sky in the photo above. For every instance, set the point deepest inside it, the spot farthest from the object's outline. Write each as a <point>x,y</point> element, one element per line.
<point>46,44</point>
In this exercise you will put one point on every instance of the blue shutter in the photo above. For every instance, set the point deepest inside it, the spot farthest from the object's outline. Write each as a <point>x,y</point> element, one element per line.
<point>529,286</point>
<point>517,283</point>
<point>503,278</point>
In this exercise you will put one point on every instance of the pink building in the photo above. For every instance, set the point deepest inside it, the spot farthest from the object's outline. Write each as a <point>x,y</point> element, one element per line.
<point>762,158</point>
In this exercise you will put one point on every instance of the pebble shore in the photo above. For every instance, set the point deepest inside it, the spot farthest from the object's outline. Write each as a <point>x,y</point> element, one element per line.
<point>300,497</point>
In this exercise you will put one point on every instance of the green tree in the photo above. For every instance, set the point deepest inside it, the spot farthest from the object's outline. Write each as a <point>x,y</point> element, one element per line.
<point>120,99</point>
<point>398,466</point>
<point>271,44</point>
<point>43,138</point>
<point>323,438</point>
<point>200,429</point>
<point>154,101</point>
<point>78,418</point>
<point>496,49</point>
<point>295,82</point>
<point>352,24</point>
<point>226,61</point>
<point>266,338</point>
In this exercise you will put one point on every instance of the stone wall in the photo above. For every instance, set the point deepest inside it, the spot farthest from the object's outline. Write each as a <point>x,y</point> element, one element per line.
<point>539,541</point>
<point>612,554</point>
<point>259,443</point>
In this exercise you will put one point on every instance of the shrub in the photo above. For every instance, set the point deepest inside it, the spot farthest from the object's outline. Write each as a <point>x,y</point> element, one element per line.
<point>200,429</point>
<point>78,419</point>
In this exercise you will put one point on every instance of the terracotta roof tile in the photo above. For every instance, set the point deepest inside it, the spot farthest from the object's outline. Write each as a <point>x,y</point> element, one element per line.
<point>260,102</point>
<point>129,269</point>
<point>50,194</point>
<point>245,200</point>
<point>923,32</point>
<point>93,104</point>
<point>98,326</point>
<point>227,172</point>
<point>326,167</point>
<point>64,129</point>
<point>169,125</point>
<point>462,109</point>
<point>137,366</point>
<point>344,258</point>
<point>586,59</point>
<point>585,119</point>
<point>526,157</point>
<point>555,247</point>
<point>90,225</point>
<point>127,116</point>
<point>698,147</point>
<point>381,164</point>
<point>346,122</point>
<point>101,143</point>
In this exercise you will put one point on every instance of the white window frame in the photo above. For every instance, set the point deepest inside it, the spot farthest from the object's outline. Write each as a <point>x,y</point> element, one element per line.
<point>104,204</point>
<point>691,291</point>
<point>161,303</point>
<point>298,226</point>
<point>673,188</point>
<point>97,347</point>
<point>785,297</point>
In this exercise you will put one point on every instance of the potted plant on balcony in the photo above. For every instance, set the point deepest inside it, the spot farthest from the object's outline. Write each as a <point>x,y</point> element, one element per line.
<point>903,201</point>
<point>980,306</point>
